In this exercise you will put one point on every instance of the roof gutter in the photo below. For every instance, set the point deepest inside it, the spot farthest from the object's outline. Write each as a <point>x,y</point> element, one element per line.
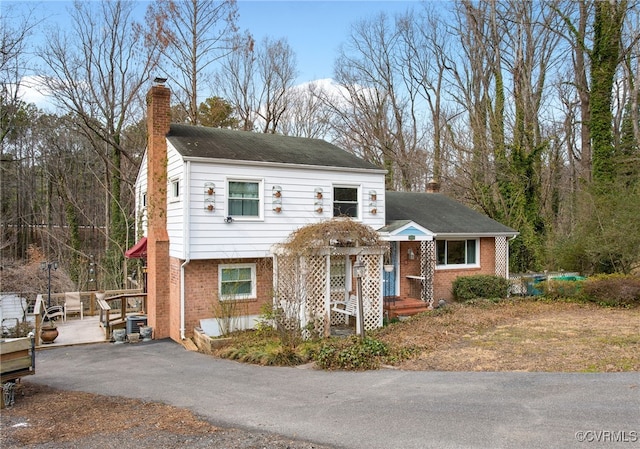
<point>284,165</point>
<point>186,249</point>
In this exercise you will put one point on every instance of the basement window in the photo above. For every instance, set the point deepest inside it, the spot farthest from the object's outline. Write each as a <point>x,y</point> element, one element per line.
<point>237,281</point>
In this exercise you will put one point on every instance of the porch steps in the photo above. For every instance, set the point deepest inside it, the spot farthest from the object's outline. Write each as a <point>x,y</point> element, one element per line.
<point>395,307</point>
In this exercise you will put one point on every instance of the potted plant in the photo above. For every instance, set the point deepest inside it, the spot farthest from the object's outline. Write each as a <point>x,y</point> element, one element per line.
<point>48,332</point>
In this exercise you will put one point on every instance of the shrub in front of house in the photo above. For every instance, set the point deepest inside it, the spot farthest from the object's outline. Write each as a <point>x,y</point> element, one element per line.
<point>612,290</point>
<point>560,289</point>
<point>482,286</point>
<point>351,354</point>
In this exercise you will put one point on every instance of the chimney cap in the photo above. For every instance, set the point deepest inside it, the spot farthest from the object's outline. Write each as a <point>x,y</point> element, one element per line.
<point>433,186</point>
<point>159,80</point>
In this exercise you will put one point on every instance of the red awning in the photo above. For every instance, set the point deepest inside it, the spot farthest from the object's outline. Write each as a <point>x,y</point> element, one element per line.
<point>137,251</point>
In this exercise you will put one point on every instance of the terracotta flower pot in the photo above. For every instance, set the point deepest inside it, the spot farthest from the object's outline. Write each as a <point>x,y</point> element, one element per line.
<point>48,334</point>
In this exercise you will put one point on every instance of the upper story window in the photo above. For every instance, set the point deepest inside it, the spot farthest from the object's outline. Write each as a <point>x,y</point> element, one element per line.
<point>244,198</point>
<point>345,201</point>
<point>457,252</point>
<point>143,200</point>
<point>174,189</point>
<point>237,281</point>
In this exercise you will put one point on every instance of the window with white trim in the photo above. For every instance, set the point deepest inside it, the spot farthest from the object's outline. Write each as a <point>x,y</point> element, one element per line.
<point>345,201</point>
<point>457,253</point>
<point>237,281</point>
<point>174,189</point>
<point>244,198</point>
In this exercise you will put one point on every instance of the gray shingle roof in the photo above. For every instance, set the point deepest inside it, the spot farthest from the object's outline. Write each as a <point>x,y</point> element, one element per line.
<point>439,214</point>
<point>217,143</point>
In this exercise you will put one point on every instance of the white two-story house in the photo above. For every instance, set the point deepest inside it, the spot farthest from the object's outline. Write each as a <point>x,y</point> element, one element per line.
<point>212,204</point>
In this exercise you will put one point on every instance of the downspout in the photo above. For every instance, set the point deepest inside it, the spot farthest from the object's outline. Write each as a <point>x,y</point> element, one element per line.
<point>186,245</point>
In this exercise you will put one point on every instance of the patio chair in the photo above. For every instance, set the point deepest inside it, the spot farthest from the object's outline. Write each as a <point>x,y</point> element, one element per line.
<point>52,313</point>
<point>73,304</point>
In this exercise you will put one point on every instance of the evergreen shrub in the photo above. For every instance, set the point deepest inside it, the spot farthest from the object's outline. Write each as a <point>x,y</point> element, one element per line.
<point>482,286</point>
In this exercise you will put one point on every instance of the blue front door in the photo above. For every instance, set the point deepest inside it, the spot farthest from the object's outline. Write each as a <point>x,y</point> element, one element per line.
<point>390,276</point>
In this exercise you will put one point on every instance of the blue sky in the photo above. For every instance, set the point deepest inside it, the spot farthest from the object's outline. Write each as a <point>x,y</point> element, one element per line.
<point>313,28</point>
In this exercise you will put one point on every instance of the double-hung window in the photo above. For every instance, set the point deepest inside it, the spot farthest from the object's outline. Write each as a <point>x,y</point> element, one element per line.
<point>345,201</point>
<point>244,198</point>
<point>457,252</point>
<point>237,281</point>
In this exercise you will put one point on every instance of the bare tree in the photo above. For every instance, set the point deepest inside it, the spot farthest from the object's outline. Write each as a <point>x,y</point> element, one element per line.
<point>235,81</point>
<point>425,59</point>
<point>306,114</point>
<point>277,72</point>
<point>14,40</point>
<point>378,116</point>
<point>96,71</point>
<point>198,34</point>
<point>256,80</point>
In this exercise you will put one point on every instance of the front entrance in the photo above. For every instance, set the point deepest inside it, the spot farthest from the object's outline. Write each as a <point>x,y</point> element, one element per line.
<point>391,272</point>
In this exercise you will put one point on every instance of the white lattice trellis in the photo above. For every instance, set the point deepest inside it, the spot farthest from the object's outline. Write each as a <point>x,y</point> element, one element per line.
<point>372,290</point>
<point>427,269</point>
<point>307,282</point>
<point>317,295</point>
<point>502,257</point>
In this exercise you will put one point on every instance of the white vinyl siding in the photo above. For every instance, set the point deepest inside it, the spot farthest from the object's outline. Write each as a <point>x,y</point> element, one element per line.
<point>211,236</point>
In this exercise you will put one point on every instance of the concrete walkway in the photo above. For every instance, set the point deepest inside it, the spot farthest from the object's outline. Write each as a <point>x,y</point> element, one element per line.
<point>378,409</point>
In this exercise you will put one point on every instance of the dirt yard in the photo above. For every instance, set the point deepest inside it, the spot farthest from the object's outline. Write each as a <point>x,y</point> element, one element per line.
<point>509,336</point>
<point>522,335</point>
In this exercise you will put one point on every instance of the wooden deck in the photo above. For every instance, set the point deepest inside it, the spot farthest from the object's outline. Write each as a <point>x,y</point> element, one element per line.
<point>75,331</point>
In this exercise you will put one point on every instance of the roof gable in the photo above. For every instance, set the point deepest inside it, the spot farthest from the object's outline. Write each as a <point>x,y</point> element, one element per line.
<point>441,215</point>
<point>405,230</point>
<point>217,143</point>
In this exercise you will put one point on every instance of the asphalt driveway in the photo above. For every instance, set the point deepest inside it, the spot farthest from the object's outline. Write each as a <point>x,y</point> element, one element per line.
<point>377,409</point>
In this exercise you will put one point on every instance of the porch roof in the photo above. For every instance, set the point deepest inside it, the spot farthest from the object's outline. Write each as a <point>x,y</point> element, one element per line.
<point>440,215</point>
<point>400,230</point>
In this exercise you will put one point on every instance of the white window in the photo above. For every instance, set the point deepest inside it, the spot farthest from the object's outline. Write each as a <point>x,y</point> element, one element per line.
<point>345,201</point>
<point>237,281</point>
<point>244,198</point>
<point>144,199</point>
<point>338,274</point>
<point>460,253</point>
<point>174,189</point>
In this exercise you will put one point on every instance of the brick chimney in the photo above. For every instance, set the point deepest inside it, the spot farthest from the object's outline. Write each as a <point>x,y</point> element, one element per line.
<point>433,186</point>
<point>158,265</point>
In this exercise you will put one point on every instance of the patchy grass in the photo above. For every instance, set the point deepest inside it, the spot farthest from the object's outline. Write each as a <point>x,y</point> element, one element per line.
<point>505,335</point>
<point>521,335</point>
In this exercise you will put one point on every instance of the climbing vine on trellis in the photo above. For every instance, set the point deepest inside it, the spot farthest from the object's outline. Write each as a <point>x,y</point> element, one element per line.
<point>302,278</point>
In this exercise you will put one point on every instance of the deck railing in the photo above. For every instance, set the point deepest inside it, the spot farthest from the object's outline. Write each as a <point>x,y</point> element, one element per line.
<point>115,309</point>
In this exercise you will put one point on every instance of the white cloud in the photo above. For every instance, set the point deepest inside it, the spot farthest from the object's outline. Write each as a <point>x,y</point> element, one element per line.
<point>33,90</point>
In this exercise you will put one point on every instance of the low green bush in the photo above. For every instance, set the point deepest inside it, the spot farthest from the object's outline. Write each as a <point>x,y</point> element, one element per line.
<point>467,288</point>
<point>351,354</point>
